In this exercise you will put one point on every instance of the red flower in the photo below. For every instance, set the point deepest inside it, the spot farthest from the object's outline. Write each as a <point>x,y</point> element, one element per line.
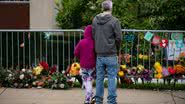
<point>171,70</point>
<point>44,65</point>
<point>53,69</point>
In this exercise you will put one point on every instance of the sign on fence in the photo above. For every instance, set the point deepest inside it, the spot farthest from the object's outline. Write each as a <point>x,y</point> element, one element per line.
<point>175,47</point>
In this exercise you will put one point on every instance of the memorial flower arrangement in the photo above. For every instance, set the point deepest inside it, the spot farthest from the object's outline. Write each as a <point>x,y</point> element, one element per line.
<point>122,71</point>
<point>41,76</point>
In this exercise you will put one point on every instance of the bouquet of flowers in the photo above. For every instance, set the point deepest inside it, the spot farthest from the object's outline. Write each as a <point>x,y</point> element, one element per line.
<point>158,70</point>
<point>171,71</point>
<point>146,74</point>
<point>122,71</point>
<point>23,78</point>
<point>9,77</point>
<point>57,81</point>
<point>179,69</point>
<point>2,75</point>
<point>165,72</point>
<point>42,68</point>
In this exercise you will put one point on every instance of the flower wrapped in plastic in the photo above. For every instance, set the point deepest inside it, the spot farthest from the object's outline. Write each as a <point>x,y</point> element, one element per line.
<point>158,70</point>
<point>158,76</point>
<point>179,69</point>
<point>165,72</point>
<point>171,71</point>
<point>146,74</point>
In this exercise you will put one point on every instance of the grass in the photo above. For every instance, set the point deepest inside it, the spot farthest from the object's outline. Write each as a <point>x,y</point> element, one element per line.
<point>147,86</point>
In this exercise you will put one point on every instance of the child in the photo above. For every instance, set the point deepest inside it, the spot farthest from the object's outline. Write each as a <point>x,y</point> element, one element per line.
<point>85,52</point>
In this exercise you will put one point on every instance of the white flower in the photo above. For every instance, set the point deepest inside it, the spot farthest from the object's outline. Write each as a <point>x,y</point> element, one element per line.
<point>56,81</point>
<point>34,83</point>
<point>54,86</point>
<point>29,71</point>
<point>39,87</point>
<point>10,75</point>
<point>21,76</point>
<point>61,85</point>
<point>23,70</point>
<point>63,71</point>
<point>93,7</point>
<point>26,85</point>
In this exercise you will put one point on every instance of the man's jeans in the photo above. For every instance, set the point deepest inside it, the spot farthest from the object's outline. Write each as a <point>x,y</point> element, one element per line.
<point>110,64</point>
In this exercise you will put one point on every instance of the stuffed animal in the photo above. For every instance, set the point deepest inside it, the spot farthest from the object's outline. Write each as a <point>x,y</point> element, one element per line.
<point>75,69</point>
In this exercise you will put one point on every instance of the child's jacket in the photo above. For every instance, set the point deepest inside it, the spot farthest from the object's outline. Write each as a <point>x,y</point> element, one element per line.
<point>84,50</point>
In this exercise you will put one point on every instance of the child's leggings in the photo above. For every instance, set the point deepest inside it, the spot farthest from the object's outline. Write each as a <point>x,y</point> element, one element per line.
<point>87,77</point>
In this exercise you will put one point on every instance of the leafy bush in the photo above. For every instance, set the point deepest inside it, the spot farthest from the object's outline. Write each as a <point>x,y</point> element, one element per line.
<point>137,14</point>
<point>75,13</point>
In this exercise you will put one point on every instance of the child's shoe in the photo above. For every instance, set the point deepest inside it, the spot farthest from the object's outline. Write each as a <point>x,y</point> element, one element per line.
<point>87,102</point>
<point>92,100</point>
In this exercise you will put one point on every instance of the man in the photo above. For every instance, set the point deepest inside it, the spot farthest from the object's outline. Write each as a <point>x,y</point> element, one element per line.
<point>107,35</point>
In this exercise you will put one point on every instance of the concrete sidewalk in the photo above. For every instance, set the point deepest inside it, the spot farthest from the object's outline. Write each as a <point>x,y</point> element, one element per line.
<point>76,96</point>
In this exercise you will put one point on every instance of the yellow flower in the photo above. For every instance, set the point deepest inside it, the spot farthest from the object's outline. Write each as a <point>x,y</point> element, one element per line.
<point>37,70</point>
<point>140,67</point>
<point>157,64</point>
<point>140,56</point>
<point>158,76</point>
<point>121,73</point>
<point>158,67</point>
<point>145,57</point>
<point>123,66</point>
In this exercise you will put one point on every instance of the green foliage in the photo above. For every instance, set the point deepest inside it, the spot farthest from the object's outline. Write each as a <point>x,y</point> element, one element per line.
<point>135,14</point>
<point>75,13</point>
<point>57,81</point>
<point>165,14</point>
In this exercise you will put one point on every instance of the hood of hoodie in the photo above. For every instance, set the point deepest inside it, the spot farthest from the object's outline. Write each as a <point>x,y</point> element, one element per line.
<point>88,32</point>
<point>103,18</point>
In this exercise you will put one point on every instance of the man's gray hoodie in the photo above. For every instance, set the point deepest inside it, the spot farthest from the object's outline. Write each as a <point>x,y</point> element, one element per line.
<point>107,34</point>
